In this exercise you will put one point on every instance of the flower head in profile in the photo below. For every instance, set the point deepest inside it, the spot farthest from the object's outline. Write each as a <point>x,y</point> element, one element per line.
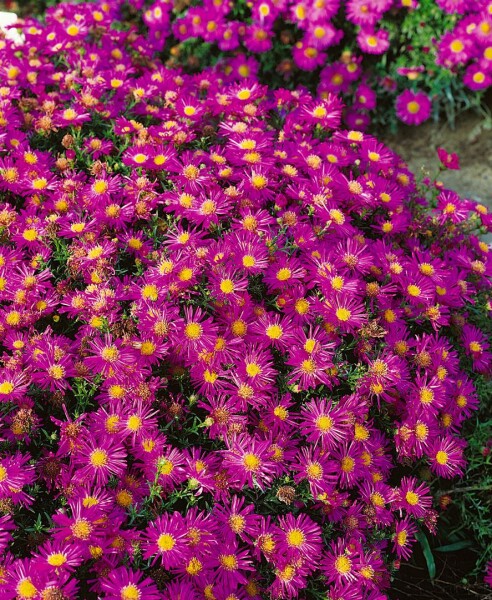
<point>404,537</point>
<point>449,160</point>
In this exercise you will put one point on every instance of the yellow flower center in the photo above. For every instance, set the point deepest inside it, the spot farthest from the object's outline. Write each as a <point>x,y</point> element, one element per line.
<point>81,529</point>
<point>295,538</point>
<point>6,388</point>
<point>347,464</point>
<point>185,274</point>
<point>314,471</point>
<point>194,567</point>
<point>343,314</point>
<point>426,396</point>
<point>100,186</point>
<point>98,458</point>
<point>244,95</point>
<point>252,369</point>
<point>281,413</point>
<point>302,306</point>
<point>130,592</point>
<point>421,431</point>
<point>319,112</point>
<point>401,538</point>
<point>208,207</point>
<point>324,423</point>
<point>147,348</point>
<point>25,589</point>
<point>140,158</point>
<point>248,261</point>
<point>251,462</point>
<point>308,366</point>
<point>227,286</point>
<point>239,328</point>
<point>72,30</point>
<point>165,542</point>
<point>475,346</point>
<point>456,46</point>
<point>166,467</point>
<point>124,498</point>
<point>237,523</point>
<point>228,562</point>
<point>274,332</point>
<point>57,559</point>
<point>193,331</point>
<point>95,252</point>
<point>134,423</point>
<point>110,353</point>
<point>413,290</point>
<point>56,372</point>
<point>377,499</point>
<point>412,498</point>
<point>442,457</point>
<point>284,274</point>
<point>343,565</point>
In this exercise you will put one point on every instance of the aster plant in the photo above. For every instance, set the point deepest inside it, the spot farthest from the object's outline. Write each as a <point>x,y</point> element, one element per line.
<point>231,342</point>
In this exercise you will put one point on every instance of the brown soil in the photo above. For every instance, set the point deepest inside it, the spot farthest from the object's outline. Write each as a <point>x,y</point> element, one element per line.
<point>412,582</point>
<point>471,139</point>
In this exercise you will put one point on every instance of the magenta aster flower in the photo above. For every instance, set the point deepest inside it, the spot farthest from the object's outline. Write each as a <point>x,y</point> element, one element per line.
<point>404,537</point>
<point>446,457</point>
<point>249,462</point>
<point>413,108</point>
<point>99,459</point>
<point>450,160</point>
<point>237,520</point>
<point>300,538</point>
<point>373,42</point>
<point>124,584</point>
<point>315,466</point>
<point>454,48</point>
<point>307,56</point>
<point>165,540</point>
<point>321,421</point>
<point>59,557</point>
<point>230,566</point>
<point>413,497</point>
<point>110,356</point>
<point>340,564</point>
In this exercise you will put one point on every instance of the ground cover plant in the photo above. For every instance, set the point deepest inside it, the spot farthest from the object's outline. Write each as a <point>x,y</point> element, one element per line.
<point>389,59</point>
<point>239,340</point>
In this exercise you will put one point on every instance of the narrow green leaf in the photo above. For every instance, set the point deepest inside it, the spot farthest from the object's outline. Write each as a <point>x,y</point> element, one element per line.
<point>426,549</point>
<point>454,547</point>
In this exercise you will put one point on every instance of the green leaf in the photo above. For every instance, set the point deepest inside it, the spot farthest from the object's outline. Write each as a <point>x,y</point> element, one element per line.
<point>454,547</point>
<point>426,549</point>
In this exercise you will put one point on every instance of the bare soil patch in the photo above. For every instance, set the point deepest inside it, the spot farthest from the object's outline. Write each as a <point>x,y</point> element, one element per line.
<point>471,139</point>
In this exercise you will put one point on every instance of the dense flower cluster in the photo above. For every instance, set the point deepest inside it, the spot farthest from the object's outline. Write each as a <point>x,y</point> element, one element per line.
<point>469,44</point>
<point>233,333</point>
<point>341,42</point>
